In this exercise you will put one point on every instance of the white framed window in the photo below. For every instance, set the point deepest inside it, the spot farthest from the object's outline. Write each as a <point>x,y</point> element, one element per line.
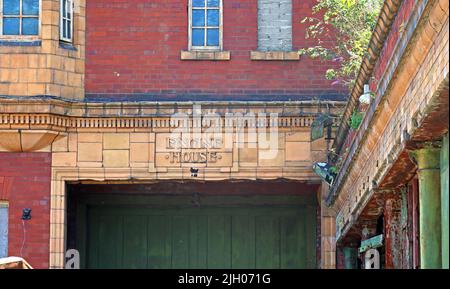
<point>205,24</point>
<point>19,18</point>
<point>66,20</point>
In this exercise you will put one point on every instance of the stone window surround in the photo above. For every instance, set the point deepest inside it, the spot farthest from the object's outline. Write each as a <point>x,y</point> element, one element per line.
<point>275,55</point>
<point>274,52</point>
<point>221,55</point>
<point>254,55</point>
<point>205,53</point>
<point>20,42</point>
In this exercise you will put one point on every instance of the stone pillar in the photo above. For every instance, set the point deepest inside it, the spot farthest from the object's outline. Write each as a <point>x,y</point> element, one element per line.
<point>428,164</point>
<point>444,202</point>
<point>350,257</point>
<point>393,230</point>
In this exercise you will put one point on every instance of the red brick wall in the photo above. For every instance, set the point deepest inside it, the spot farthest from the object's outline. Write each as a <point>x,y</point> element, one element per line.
<point>25,183</point>
<point>400,22</point>
<point>141,41</point>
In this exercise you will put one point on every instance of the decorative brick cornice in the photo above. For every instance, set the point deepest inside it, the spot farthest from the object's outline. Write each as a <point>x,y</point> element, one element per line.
<point>61,115</point>
<point>64,123</point>
<point>399,117</point>
<point>409,39</point>
<point>379,35</point>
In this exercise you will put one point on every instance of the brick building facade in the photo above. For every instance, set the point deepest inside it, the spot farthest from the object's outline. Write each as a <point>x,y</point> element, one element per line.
<point>98,101</point>
<point>121,119</point>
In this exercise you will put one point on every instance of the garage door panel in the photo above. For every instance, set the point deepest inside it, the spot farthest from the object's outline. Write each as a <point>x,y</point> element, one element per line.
<point>219,242</point>
<point>310,238</point>
<point>201,237</point>
<point>292,230</point>
<point>110,238</point>
<point>159,248</point>
<point>267,242</point>
<point>243,242</point>
<point>180,242</point>
<point>198,244</point>
<point>93,244</point>
<point>134,242</point>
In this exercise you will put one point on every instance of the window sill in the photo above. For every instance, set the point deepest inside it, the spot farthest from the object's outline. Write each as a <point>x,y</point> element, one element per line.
<point>67,46</point>
<point>205,55</point>
<point>27,42</point>
<point>275,55</point>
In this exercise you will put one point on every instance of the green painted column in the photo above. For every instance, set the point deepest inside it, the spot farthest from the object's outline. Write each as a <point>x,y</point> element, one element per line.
<point>428,163</point>
<point>350,257</point>
<point>444,202</point>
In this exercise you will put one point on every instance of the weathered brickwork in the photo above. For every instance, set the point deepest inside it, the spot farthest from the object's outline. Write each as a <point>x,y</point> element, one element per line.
<point>275,25</point>
<point>396,115</point>
<point>25,183</point>
<point>398,26</point>
<point>413,79</point>
<point>46,69</point>
<point>142,62</point>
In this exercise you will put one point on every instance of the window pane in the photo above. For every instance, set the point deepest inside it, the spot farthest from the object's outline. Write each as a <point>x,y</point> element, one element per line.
<point>64,6</point>
<point>69,32</point>
<point>69,9</point>
<point>30,26</point>
<point>11,7</point>
<point>213,17</point>
<point>64,28</point>
<point>11,26</point>
<point>198,17</point>
<point>213,3</point>
<point>198,37</point>
<point>198,3</point>
<point>213,37</point>
<point>30,7</point>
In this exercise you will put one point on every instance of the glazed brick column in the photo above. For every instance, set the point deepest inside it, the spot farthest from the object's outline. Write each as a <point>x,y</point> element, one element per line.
<point>25,183</point>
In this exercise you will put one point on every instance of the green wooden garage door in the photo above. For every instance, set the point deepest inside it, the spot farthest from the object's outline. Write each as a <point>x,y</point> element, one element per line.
<point>201,237</point>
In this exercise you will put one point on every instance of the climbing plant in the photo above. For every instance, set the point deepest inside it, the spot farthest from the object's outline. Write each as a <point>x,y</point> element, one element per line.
<point>342,31</point>
<point>356,119</point>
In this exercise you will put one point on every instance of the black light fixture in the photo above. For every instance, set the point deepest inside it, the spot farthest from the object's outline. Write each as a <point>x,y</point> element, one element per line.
<point>324,171</point>
<point>194,172</point>
<point>319,124</point>
<point>26,214</point>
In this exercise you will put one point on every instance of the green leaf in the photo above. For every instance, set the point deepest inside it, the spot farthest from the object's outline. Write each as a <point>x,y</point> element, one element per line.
<point>349,23</point>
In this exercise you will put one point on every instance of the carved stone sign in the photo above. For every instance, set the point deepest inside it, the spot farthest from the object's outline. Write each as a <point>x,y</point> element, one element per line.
<point>174,150</point>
